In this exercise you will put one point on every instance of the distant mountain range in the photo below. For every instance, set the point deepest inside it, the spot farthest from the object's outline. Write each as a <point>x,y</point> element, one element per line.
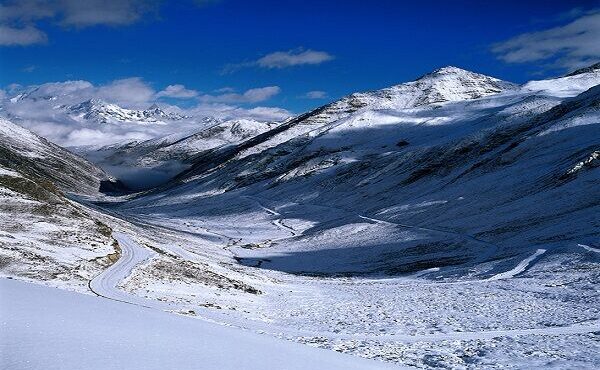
<point>101,112</point>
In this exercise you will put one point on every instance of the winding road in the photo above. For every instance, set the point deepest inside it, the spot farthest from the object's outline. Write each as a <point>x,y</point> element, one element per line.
<point>106,284</point>
<point>278,221</point>
<point>519,268</point>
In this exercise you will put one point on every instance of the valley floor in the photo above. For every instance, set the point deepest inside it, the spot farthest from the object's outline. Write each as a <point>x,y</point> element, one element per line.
<point>536,309</point>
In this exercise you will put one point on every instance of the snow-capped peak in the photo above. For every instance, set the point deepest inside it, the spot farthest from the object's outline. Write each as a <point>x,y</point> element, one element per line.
<point>455,84</point>
<point>155,111</point>
<point>448,70</point>
<point>102,112</point>
<point>445,84</point>
<point>154,107</point>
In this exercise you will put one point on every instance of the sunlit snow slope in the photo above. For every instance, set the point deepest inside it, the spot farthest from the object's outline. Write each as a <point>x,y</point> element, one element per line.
<point>503,169</point>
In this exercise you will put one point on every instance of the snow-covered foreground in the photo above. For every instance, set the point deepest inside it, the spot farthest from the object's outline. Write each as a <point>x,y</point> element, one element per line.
<point>47,328</point>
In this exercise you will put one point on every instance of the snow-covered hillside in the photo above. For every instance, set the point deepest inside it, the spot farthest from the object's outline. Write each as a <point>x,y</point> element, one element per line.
<point>43,235</point>
<point>152,162</point>
<point>23,150</point>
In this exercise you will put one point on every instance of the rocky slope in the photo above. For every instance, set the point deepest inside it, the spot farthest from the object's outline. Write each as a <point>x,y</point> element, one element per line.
<point>23,150</point>
<point>44,235</point>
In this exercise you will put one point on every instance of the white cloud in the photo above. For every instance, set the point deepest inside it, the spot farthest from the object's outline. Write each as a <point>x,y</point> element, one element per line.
<point>88,136</point>
<point>27,10</point>
<point>315,94</point>
<point>28,35</point>
<point>250,96</point>
<point>268,113</point>
<point>570,46</point>
<point>18,18</point>
<point>107,12</point>
<point>14,87</point>
<point>226,111</point>
<point>29,69</point>
<point>128,92</point>
<point>283,59</point>
<point>226,89</point>
<point>68,91</point>
<point>177,91</point>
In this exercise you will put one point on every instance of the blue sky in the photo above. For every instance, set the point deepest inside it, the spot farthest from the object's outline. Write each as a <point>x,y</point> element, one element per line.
<point>291,54</point>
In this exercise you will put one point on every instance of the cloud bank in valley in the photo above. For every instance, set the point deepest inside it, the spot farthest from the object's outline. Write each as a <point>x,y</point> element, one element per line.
<point>45,109</point>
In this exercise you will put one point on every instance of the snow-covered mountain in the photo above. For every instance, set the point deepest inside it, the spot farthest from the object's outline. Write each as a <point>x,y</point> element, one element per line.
<point>151,162</point>
<point>427,92</point>
<point>465,146</point>
<point>423,225</point>
<point>94,110</point>
<point>446,84</point>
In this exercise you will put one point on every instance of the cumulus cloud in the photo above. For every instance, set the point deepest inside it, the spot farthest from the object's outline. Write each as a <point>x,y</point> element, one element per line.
<point>67,91</point>
<point>250,96</point>
<point>128,91</point>
<point>177,91</point>
<point>284,59</point>
<point>315,94</point>
<point>226,89</point>
<point>27,10</point>
<point>14,87</point>
<point>19,18</point>
<point>267,114</point>
<point>105,135</point>
<point>570,46</point>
